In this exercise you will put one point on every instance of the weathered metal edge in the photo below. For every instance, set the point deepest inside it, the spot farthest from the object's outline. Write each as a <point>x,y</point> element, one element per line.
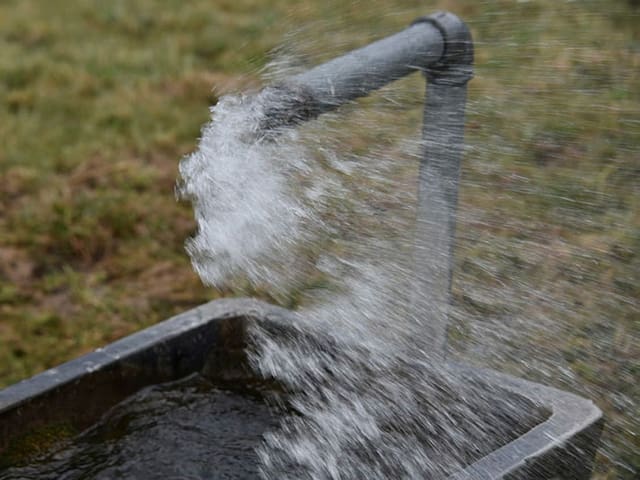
<point>572,429</point>
<point>566,440</point>
<point>121,350</point>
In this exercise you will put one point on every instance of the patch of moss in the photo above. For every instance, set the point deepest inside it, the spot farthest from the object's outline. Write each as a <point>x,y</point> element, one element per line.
<point>35,443</point>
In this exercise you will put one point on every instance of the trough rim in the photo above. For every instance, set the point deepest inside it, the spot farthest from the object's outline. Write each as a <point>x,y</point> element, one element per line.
<point>570,416</point>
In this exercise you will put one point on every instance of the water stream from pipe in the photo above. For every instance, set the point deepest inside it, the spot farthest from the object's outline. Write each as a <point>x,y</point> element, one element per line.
<point>546,281</point>
<point>293,212</point>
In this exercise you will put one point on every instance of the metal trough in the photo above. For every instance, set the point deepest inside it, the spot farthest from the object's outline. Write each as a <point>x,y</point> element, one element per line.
<point>212,338</point>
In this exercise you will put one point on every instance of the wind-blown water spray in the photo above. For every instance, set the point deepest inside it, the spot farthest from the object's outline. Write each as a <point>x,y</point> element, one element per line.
<point>439,45</point>
<point>240,185</point>
<point>371,396</point>
<point>364,365</point>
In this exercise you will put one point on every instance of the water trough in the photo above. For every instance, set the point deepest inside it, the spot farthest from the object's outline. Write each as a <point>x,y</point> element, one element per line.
<point>212,339</point>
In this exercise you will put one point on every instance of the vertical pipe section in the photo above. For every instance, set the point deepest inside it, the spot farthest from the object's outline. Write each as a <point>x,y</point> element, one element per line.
<point>442,147</point>
<point>442,144</point>
<point>351,76</point>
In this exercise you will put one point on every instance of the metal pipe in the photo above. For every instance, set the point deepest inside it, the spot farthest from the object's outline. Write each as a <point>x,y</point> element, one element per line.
<point>442,145</point>
<point>353,75</point>
<point>439,45</point>
<point>361,71</point>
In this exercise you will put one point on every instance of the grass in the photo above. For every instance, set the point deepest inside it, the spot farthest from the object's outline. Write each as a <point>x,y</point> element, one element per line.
<point>99,100</point>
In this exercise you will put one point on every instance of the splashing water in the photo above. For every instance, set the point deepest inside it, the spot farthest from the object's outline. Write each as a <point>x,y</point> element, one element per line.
<point>372,398</point>
<point>546,270</point>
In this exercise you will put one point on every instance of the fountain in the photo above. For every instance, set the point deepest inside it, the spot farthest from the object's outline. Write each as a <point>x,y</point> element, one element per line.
<point>551,434</point>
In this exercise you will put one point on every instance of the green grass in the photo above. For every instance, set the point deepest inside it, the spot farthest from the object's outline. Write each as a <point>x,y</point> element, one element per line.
<point>99,101</point>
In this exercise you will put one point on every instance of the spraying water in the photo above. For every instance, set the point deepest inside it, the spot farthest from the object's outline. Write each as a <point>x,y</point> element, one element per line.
<point>546,279</point>
<point>333,243</point>
<point>372,396</point>
<point>248,216</point>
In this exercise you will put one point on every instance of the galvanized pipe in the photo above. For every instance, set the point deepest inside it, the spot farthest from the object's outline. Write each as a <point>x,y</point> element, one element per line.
<point>440,46</point>
<point>361,71</point>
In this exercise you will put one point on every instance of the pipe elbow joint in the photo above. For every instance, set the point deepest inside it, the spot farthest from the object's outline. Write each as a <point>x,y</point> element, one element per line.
<point>455,66</point>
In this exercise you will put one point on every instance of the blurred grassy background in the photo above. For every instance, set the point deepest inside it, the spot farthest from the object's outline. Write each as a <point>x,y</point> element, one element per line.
<point>99,101</point>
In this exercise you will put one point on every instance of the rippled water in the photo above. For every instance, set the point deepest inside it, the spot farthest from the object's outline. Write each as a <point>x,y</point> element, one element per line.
<point>183,430</point>
<point>193,429</point>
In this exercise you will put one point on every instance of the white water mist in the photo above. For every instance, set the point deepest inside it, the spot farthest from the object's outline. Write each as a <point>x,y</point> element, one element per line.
<point>291,212</point>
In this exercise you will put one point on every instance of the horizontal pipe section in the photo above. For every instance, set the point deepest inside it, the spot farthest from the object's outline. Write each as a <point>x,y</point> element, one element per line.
<point>352,75</point>
<point>361,71</point>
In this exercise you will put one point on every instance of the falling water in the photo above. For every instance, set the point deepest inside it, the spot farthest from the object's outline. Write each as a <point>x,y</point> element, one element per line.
<point>321,217</point>
<point>372,395</point>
